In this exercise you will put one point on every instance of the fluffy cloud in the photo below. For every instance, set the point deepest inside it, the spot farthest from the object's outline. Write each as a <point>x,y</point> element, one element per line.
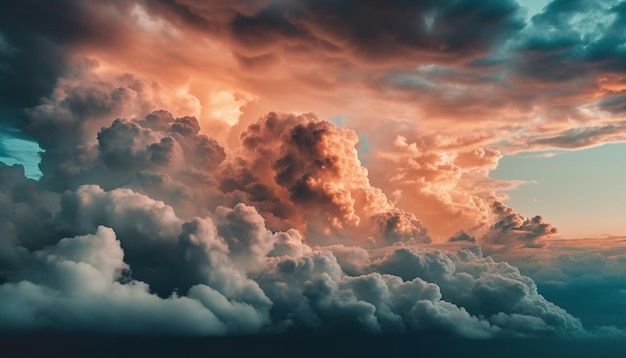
<point>234,275</point>
<point>304,163</point>
<point>407,291</point>
<point>77,285</point>
<point>576,272</point>
<point>25,215</point>
<point>498,290</point>
<point>71,286</point>
<point>513,230</point>
<point>436,178</point>
<point>114,232</point>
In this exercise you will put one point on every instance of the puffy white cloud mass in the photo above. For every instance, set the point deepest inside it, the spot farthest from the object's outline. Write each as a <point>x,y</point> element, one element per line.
<point>149,226</point>
<point>228,273</point>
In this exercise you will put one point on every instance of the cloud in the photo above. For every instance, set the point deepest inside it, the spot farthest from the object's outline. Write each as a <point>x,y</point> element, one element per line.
<point>513,230</point>
<point>441,180</point>
<point>237,276</point>
<point>300,162</point>
<point>443,31</point>
<point>112,230</point>
<point>499,291</point>
<point>582,137</point>
<point>72,286</point>
<point>462,236</point>
<point>576,272</point>
<point>26,213</point>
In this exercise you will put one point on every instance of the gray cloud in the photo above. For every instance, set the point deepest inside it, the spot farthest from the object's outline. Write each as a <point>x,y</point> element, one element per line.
<point>371,31</point>
<point>513,230</point>
<point>114,234</point>
<point>236,276</point>
<point>72,286</point>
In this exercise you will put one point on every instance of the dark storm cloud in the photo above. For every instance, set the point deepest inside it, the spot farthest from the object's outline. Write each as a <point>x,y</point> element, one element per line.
<point>154,152</point>
<point>75,286</point>
<point>126,145</point>
<point>567,62</point>
<point>26,214</point>
<point>616,103</point>
<point>573,50</point>
<point>370,30</point>
<point>573,36</point>
<point>36,38</point>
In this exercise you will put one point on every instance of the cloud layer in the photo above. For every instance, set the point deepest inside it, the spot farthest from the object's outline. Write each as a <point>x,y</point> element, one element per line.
<point>96,251</point>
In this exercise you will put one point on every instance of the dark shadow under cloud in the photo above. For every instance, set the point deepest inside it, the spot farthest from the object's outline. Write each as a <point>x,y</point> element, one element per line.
<point>272,346</point>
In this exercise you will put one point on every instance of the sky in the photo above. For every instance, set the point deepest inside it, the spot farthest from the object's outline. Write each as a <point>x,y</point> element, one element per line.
<point>447,168</point>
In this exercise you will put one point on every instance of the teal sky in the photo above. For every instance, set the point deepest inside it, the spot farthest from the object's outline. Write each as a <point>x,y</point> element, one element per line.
<point>533,6</point>
<point>21,151</point>
<point>581,192</point>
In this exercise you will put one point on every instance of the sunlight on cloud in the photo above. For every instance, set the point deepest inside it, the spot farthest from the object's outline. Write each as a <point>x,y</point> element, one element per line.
<point>225,106</point>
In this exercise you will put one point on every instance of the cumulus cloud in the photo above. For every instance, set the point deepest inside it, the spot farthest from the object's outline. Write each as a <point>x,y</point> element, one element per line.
<point>576,272</point>
<point>234,275</point>
<point>407,291</point>
<point>462,236</point>
<point>26,214</point>
<point>114,232</point>
<point>75,286</point>
<point>312,165</point>
<point>513,230</point>
<point>498,290</point>
<point>436,178</point>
